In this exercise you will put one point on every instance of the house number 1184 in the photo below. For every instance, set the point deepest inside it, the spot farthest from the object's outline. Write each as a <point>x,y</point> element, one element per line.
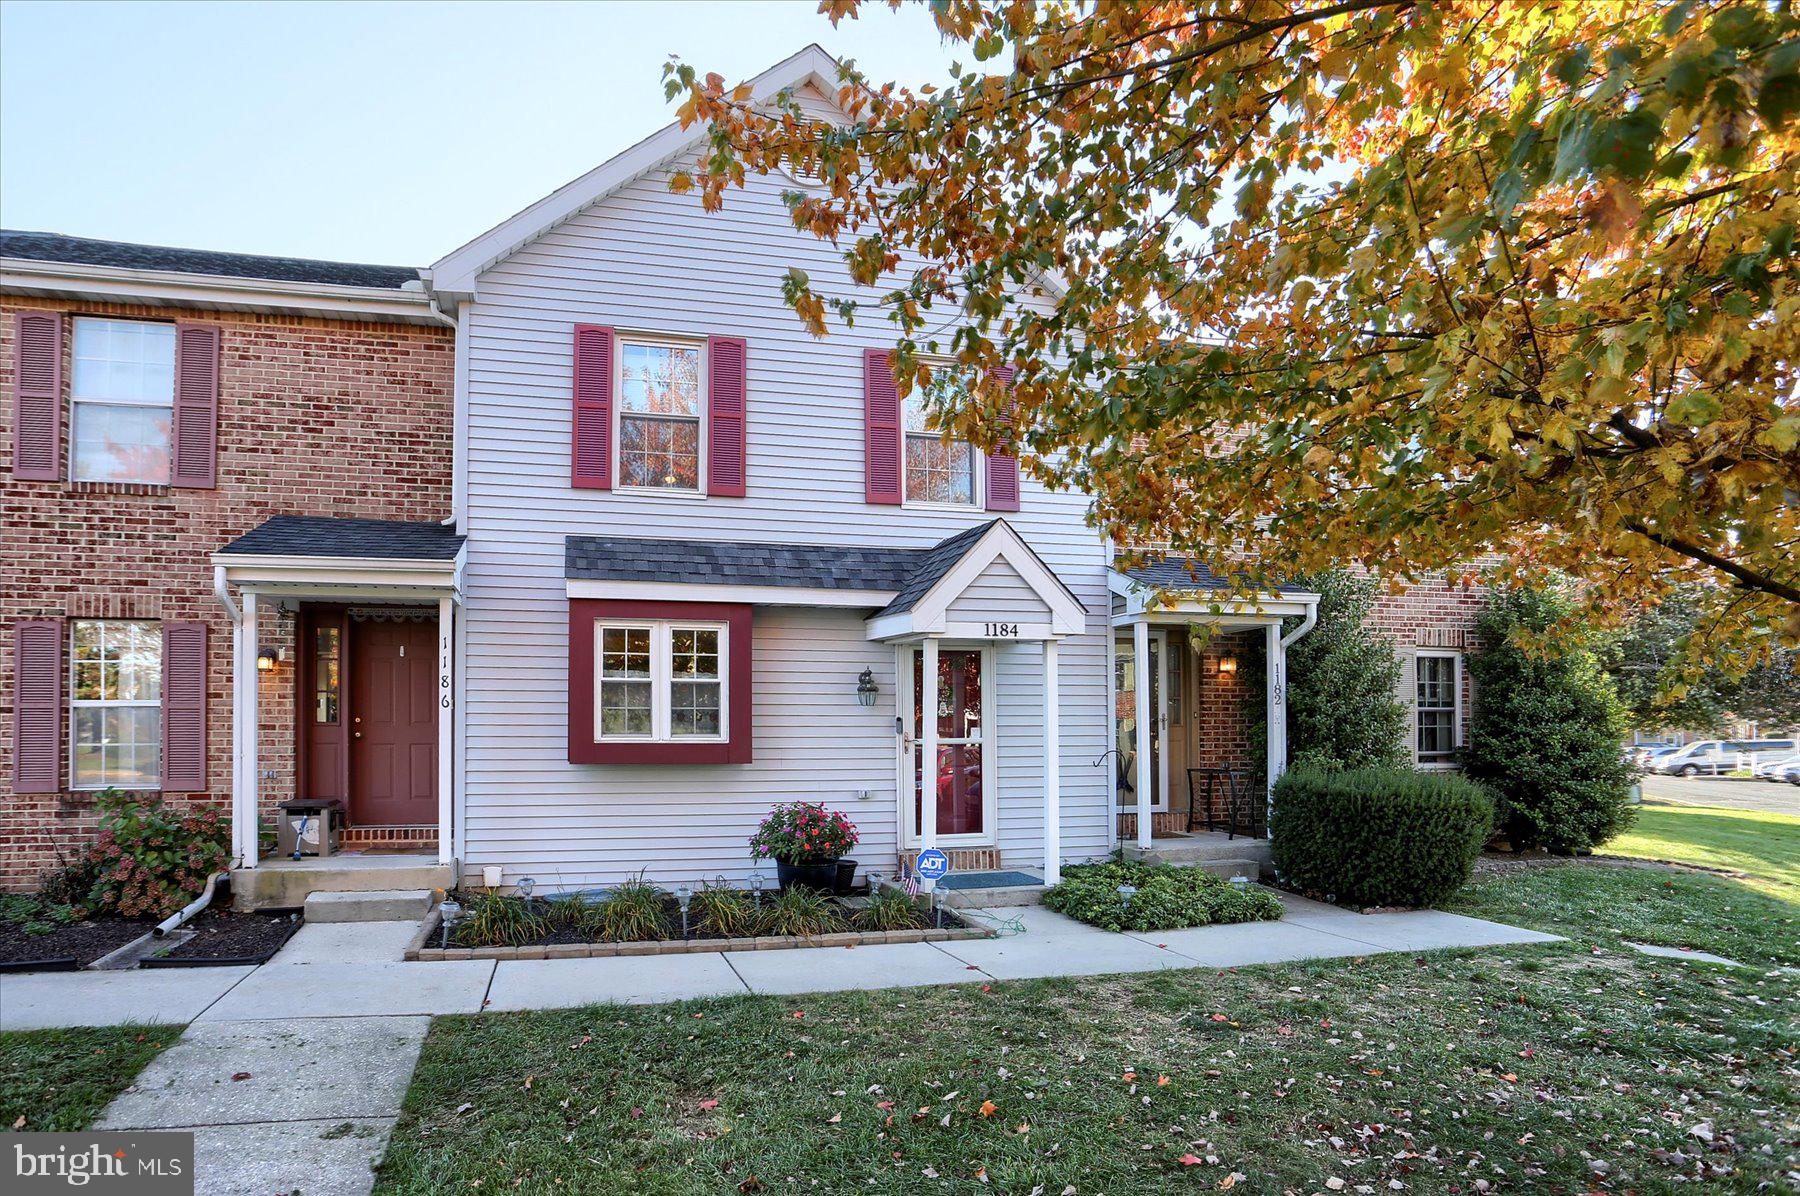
<point>1001,631</point>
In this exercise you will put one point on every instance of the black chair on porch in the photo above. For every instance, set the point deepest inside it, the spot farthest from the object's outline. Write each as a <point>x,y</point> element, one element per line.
<point>1242,813</point>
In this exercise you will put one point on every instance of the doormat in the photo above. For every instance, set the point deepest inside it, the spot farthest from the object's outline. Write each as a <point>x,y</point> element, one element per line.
<point>989,880</point>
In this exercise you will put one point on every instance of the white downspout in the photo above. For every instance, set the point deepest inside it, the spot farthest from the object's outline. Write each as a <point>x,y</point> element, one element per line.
<point>1276,736</point>
<point>222,591</point>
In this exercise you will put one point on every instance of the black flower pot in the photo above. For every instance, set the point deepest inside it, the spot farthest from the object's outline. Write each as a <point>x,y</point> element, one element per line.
<point>846,877</point>
<point>818,876</point>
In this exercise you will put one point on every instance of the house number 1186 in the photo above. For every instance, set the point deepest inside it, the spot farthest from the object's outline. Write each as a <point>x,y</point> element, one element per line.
<point>1001,631</point>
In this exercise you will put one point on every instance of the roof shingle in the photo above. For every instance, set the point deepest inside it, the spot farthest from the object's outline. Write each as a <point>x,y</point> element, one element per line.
<point>84,251</point>
<point>380,539</point>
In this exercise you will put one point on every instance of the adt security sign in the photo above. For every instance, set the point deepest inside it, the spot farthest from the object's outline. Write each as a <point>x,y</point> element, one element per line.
<point>932,864</point>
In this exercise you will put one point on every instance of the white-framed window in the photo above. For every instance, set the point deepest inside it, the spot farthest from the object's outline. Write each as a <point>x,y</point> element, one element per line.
<point>123,400</point>
<point>660,682</point>
<point>1437,702</point>
<point>115,719</point>
<point>938,472</point>
<point>661,414</point>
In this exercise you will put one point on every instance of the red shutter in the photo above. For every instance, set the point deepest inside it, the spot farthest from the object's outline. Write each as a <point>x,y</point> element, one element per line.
<point>37,705</point>
<point>184,708</point>
<point>881,430</point>
<point>590,452</point>
<point>196,419</point>
<point>37,396</point>
<point>1003,466</point>
<point>727,393</point>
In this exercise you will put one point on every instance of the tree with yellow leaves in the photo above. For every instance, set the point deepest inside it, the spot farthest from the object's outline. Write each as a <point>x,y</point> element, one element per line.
<point>1408,285</point>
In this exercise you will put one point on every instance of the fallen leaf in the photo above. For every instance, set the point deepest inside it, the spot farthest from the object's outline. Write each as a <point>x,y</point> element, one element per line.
<point>884,1104</point>
<point>528,1082</point>
<point>1162,1081</point>
<point>20,1122</point>
<point>989,1108</point>
<point>834,1119</point>
<point>709,1104</point>
<point>1190,1160</point>
<point>1219,1017</point>
<point>242,1075</point>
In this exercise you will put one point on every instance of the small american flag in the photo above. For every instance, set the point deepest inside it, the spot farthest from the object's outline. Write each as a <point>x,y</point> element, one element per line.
<point>909,880</point>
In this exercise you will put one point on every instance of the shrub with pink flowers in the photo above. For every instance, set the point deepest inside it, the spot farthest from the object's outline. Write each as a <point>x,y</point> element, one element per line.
<point>152,860</point>
<point>803,832</point>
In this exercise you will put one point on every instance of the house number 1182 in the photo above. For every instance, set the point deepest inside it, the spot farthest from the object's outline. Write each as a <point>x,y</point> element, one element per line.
<point>1001,631</point>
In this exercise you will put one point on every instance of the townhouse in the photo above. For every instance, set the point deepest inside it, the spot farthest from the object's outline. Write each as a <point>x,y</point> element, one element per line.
<point>572,553</point>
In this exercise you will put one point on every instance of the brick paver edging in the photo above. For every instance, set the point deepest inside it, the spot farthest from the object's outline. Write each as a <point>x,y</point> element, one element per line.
<point>428,929</point>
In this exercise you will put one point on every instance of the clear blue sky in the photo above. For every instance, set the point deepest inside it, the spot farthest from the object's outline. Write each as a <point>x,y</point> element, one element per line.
<point>386,133</point>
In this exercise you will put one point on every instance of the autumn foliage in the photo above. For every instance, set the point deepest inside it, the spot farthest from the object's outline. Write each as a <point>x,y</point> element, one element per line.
<point>1378,282</point>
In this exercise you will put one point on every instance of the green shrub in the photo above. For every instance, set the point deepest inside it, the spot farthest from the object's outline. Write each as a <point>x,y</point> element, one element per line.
<point>575,912</point>
<point>1547,726</point>
<point>152,860</point>
<point>634,912</point>
<point>799,911</point>
<point>1378,836</point>
<point>720,911</point>
<point>1342,682</point>
<point>1167,897</point>
<point>502,920</point>
<point>889,909</point>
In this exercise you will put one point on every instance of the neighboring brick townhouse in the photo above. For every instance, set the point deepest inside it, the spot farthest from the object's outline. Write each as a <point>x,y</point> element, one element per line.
<point>161,403</point>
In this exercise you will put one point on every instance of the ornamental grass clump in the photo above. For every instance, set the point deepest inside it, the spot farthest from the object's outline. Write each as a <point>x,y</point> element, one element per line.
<point>1378,836</point>
<point>889,909</point>
<point>720,911</point>
<point>1167,897</point>
<point>799,912</point>
<point>502,920</point>
<point>803,832</point>
<point>634,912</point>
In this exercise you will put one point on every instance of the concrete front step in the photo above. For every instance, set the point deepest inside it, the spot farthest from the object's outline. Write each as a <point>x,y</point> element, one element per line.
<point>990,898</point>
<point>286,883</point>
<point>1200,849</point>
<point>380,905</point>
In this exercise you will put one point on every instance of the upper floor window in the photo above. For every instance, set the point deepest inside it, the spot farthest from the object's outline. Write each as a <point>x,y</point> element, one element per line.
<point>123,394</point>
<point>1437,696</point>
<point>661,408</point>
<point>117,704</point>
<point>937,470</point>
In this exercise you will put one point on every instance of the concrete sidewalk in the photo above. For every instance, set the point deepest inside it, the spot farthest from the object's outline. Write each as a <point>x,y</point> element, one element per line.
<point>354,969</point>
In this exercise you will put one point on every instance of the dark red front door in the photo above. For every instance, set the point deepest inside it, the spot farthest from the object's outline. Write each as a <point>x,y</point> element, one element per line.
<point>393,722</point>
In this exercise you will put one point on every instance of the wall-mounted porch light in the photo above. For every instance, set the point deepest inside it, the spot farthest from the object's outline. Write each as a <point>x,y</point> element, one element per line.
<point>265,661</point>
<point>866,689</point>
<point>1227,666</point>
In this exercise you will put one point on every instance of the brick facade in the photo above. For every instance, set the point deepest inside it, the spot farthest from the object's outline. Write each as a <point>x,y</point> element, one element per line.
<point>316,417</point>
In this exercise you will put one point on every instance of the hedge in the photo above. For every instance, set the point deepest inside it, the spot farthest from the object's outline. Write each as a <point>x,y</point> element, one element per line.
<point>1378,836</point>
<point>1167,897</point>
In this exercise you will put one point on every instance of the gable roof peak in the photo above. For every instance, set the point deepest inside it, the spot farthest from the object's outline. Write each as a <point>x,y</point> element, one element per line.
<point>452,277</point>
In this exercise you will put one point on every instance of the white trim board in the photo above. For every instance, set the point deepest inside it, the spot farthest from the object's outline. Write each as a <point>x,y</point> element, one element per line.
<point>929,615</point>
<point>669,591</point>
<point>28,276</point>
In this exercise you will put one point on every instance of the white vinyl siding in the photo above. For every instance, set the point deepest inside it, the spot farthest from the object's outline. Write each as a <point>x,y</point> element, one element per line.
<point>649,260</point>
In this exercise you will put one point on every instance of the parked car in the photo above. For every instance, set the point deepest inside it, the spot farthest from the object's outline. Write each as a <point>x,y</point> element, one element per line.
<point>1715,757</point>
<point>1771,769</point>
<point>1648,755</point>
<point>1789,772</point>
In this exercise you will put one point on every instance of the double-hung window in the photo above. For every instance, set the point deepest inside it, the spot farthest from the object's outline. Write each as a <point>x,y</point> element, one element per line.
<point>1438,685</point>
<point>116,714</point>
<point>660,682</point>
<point>937,471</point>
<point>123,396</point>
<point>662,406</point>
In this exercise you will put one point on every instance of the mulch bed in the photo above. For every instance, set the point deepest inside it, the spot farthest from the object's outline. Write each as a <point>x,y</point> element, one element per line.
<point>66,947</point>
<point>225,937</point>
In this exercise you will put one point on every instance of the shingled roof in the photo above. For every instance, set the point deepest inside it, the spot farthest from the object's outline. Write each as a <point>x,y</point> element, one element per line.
<point>1177,573</point>
<point>375,539</point>
<point>84,251</point>
<point>907,573</point>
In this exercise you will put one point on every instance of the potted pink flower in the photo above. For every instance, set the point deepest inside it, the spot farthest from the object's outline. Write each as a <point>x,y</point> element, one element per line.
<point>808,844</point>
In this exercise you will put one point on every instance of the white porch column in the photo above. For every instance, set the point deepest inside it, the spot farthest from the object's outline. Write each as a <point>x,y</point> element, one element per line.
<point>1276,673</point>
<point>928,754</point>
<point>1143,716</point>
<point>1052,768</point>
<point>446,703</point>
<point>244,748</point>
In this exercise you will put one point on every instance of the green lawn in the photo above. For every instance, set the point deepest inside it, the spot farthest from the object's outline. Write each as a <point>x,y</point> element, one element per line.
<point>1764,847</point>
<point>57,1081</point>
<point>1563,1067</point>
